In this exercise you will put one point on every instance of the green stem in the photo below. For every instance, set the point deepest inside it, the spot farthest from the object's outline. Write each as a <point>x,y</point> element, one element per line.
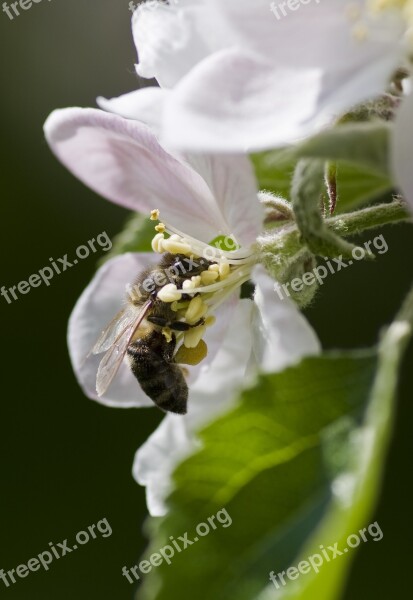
<point>368,218</point>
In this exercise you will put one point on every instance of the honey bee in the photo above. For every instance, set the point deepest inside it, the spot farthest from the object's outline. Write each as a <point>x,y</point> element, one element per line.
<point>137,332</point>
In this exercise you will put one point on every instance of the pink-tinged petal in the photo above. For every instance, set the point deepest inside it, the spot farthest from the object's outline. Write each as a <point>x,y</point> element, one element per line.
<point>95,309</point>
<point>402,149</point>
<point>232,182</point>
<point>213,394</point>
<point>144,105</point>
<point>235,101</point>
<point>283,336</point>
<point>273,93</point>
<point>122,160</point>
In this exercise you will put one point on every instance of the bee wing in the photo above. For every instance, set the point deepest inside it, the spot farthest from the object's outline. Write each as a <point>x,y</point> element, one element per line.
<point>110,363</point>
<point>116,327</point>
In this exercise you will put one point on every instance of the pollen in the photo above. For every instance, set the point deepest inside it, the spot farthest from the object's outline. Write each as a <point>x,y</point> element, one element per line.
<point>196,310</point>
<point>208,277</point>
<point>155,215</point>
<point>194,336</point>
<point>192,356</point>
<point>224,269</point>
<point>160,228</point>
<point>188,285</point>
<point>169,293</point>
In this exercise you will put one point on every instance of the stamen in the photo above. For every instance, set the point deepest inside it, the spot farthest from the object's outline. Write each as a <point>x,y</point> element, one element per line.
<point>157,243</point>
<point>196,310</point>
<point>160,228</point>
<point>192,356</point>
<point>175,245</point>
<point>169,293</point>
<point>193,336</point>
<point>208,277</point>
<point>155,215</point>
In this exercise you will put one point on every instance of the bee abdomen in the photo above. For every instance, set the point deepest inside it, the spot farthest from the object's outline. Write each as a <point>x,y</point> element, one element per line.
<point>159,378</point>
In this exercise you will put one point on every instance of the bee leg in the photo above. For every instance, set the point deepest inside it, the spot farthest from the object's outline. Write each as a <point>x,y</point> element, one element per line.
<point>180,326</point>
<point>161,321</point>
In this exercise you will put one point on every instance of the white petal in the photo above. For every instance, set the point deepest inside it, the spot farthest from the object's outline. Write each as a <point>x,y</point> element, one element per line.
<point>212,395</point>
<point>123,161</point>
<point>170,41</point>
<point>232,182</point>
<point>283,336</point>
<point>276,91</point>
<point>145,105</point>
<point>402,149</point>
<point>95,309</point>
<point>236,102</point>
<point>326,31</point>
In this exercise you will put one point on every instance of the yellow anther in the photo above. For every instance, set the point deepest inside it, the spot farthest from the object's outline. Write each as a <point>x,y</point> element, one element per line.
<point>169,293</point>
<point>214,267</point>
<point>188,284</point>
<point>193,336</point>
<point>196,310</point>
<point>196,280</point>
<point>224,270</point>
<point>175,245</point>
<point>192,356</point>
<point>161,228</point>
<point>155,215</point>
<point>208,277</point>
<point>209,321</point>
<point>157,243</point>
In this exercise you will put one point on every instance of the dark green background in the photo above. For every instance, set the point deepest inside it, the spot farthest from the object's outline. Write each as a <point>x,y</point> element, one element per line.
<point>66,461</point>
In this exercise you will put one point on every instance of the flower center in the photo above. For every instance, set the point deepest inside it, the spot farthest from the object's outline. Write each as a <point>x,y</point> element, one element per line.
<point>375,8</point>
<point>204,276</point>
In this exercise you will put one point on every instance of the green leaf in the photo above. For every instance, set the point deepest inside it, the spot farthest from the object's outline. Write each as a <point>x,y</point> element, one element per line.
<point>297,464</point>
<point>363,144</point>
<point>360,149</point>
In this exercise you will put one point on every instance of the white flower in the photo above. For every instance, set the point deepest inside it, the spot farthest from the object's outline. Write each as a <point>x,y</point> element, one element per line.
<point>236,78</point>
<point>197,200</point>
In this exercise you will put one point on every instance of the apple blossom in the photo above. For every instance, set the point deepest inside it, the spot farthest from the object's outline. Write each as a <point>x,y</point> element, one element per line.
<point>198,199</point>
<point>234,78</point>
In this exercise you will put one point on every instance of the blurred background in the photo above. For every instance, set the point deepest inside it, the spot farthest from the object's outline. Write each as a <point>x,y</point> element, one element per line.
<point>65,460</point>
